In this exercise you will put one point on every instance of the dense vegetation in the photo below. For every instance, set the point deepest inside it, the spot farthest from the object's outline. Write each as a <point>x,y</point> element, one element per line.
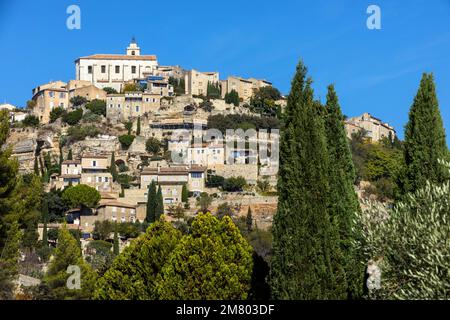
<point>235,121</point>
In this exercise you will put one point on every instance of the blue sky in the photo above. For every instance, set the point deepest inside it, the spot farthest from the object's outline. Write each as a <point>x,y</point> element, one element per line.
<point>374,70</point>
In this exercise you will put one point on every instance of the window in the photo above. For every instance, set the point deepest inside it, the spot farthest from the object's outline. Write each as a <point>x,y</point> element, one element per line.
<point>117,69</point>
<point>99,179</point>
<point>62,95</point>
<point>106,179</point>
<point>133,53</point>
<point>94,163</point>
<point>110,106</point>
<point>103,69</point>
<point>196,175</point>
<point>51,94</point>
<point>114,209</point>
<point>137,108</point>
<point>90,69</point>
<point>133,68</point>
<point>123,219</point>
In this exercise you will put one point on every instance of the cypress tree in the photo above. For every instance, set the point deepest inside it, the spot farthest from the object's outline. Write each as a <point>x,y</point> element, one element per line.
<point>249,220</point>
<point>425,142</point>
<point>151,203</point>
<point>159,204</point>
<point>61,159</point>
<point>304,239</point>
<point>138,126</point>
<point>343,201</point>
<point>45,220</point>
<point>36,166</point>
<point>116,240</point>
<point>41,165</point>
<point>184,194</point>
<point>69,156</point>
<point>113,167</point>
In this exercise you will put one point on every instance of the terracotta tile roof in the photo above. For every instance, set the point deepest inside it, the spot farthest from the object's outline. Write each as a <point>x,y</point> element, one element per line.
<point>98,156</point>
<point>119,57</point>
<point>71,162</point>
<point>70,176</point>
<point>197,168</point>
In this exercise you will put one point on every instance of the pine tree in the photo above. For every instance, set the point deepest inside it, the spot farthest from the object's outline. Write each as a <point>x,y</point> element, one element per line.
<point>343,201</point>
<point>138,126</point>
<point>425,142</point>
<point>36,166</point>
<point>113,167</point>
<point>151,203</point>
<point>249,220</point>
<point>69,156</point>
<point>159,204</point>
<point>304,239</point>
<point>9,261</point>
<point>116,241</point>
<point>68,253</point>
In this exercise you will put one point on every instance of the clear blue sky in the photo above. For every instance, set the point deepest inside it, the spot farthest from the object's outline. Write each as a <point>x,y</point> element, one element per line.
<point>375,71</point>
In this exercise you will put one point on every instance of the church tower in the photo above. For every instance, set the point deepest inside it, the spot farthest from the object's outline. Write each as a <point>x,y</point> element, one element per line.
<point>133,49</point>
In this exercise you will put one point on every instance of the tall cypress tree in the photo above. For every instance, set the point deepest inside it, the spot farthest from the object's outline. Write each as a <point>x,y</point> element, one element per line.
<point>45,220</point>
<point>69,156</point>
<point>159,204</point>
<point>113,167</point>
<point>343,201</point>
<point>249,219</point>
<point>425,142</point>
<point>138,126</point>
<point>304,239</point>
<point>151,203</point>
<point>61,159</point>
<point>36,166</point>
<point>184,194</point>
<point>116,250</point>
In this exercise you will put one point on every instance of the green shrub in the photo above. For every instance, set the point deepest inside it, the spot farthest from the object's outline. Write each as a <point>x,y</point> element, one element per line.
<point>78,133</point>
<point>72,118</point>
<point>97,106</point>
<point>91,117</point>
<point>30,121</point>
<point>126,140</point>
<point>56,113</point>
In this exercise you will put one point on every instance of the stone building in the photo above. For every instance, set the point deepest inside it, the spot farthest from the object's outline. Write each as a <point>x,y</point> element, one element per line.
<point>113,70</point>
<point>95,172</point>
<point>244,87</point>
<point>375,129</point>
<point>122,107</point>
<point>47,97</point>
<point>196,82</point>
<point>171,180</point>
<point>85,89</point>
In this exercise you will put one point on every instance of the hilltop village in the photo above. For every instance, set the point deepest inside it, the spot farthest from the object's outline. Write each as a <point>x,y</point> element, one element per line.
<point>127,121</point>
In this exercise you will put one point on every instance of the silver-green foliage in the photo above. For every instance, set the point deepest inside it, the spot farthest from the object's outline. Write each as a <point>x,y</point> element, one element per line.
<point>411,244</point>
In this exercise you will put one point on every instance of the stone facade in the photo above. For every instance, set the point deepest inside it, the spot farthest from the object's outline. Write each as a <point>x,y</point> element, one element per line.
<point>196,82</point>
<point>375,128</point>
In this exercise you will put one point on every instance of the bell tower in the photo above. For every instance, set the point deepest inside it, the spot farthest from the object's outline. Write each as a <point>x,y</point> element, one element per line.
<point>133,49</point>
